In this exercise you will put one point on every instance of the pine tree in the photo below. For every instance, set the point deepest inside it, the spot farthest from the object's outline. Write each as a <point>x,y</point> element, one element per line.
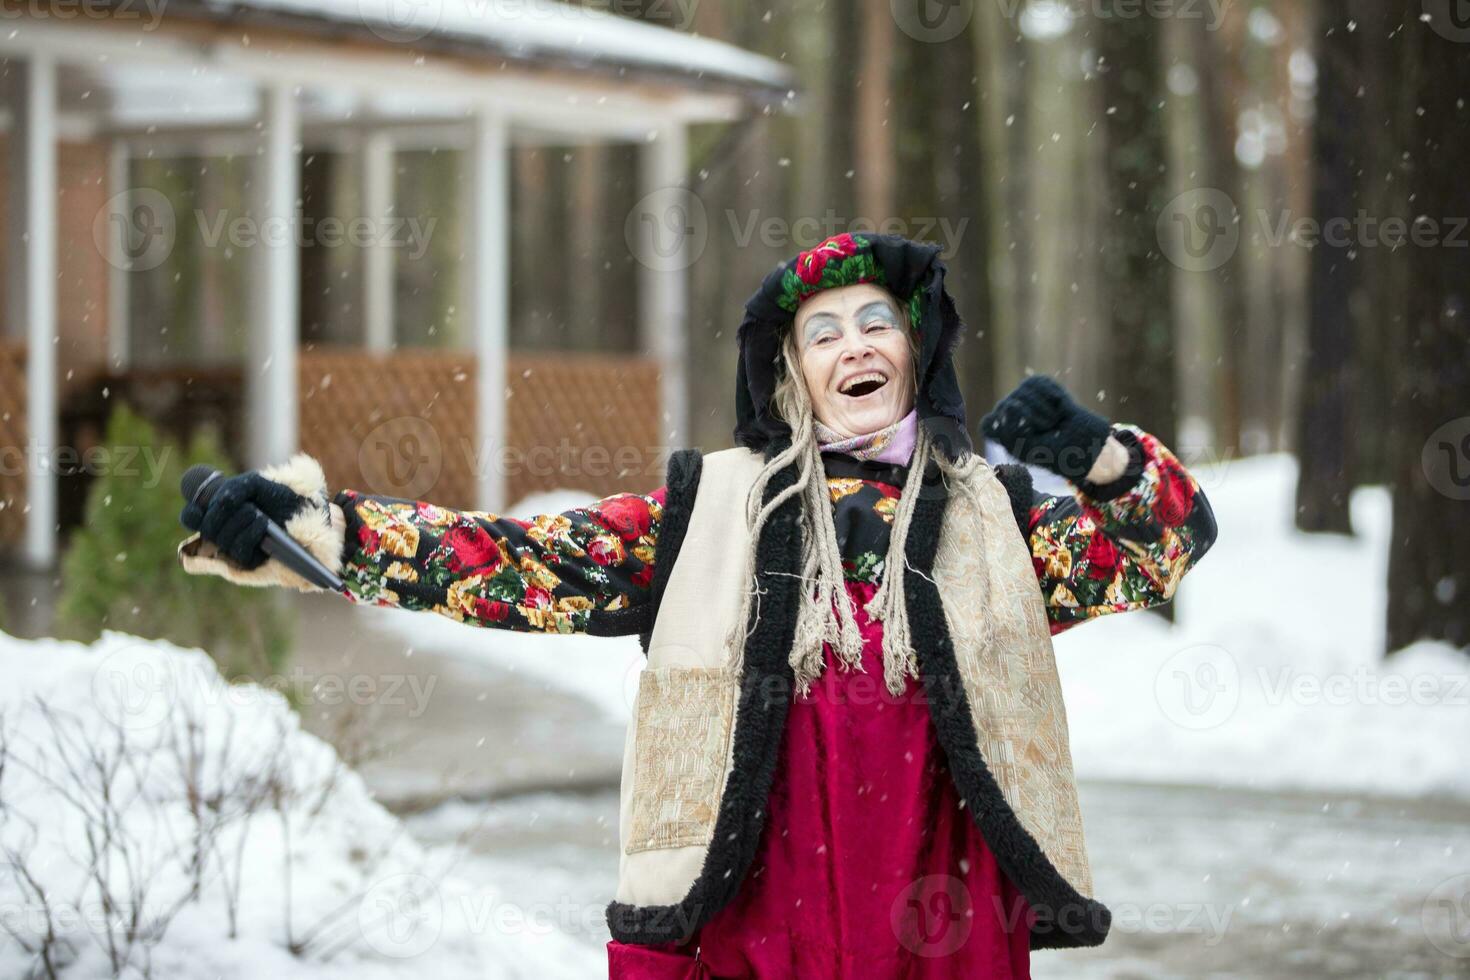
<point>121,570</point>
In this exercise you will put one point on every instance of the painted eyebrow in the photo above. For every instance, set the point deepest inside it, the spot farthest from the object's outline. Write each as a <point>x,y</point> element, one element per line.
<point>876,307</point>
<point>828,319</point>
<point>816,322</point>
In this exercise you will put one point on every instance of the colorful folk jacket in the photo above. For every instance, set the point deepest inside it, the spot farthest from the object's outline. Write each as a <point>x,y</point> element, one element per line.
<point>702,749</point>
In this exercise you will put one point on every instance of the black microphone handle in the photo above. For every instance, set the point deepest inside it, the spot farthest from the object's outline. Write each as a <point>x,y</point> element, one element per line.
<point>284,549</point>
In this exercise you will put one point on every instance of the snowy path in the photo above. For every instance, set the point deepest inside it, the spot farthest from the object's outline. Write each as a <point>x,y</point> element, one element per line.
<point>1202,882</point>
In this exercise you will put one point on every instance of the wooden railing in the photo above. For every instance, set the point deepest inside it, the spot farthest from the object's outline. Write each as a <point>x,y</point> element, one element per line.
<point>404,424</point>
<point>401,424</point>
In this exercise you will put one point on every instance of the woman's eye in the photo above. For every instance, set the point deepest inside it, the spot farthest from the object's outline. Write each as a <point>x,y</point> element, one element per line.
<point>879,325</point>
<point>825,338</point>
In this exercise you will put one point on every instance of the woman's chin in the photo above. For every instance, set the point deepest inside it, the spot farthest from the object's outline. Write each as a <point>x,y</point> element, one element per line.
<point>866,423</point>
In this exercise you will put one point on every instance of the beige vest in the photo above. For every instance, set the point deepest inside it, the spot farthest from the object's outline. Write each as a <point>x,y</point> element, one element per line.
<point>678,751</point>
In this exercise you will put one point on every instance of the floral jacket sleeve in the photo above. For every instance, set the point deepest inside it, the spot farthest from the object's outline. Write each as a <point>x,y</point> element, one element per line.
<point>1122,546</point>
<point>546,574</point>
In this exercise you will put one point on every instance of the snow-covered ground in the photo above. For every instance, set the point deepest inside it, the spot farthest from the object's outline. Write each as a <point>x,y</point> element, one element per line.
<point>1272,677</point>
<point>156,821</point>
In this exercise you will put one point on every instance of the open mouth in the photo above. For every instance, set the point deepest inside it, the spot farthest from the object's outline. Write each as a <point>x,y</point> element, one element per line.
<point>863,384</point>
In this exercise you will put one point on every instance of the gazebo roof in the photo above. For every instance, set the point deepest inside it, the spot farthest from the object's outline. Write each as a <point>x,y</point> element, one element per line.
<point>532,32</point>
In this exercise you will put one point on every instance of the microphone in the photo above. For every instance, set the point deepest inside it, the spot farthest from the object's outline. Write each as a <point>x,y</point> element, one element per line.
<point>198,486</point>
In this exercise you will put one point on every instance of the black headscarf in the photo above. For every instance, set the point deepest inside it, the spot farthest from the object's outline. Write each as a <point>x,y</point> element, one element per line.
<point>913,273</point>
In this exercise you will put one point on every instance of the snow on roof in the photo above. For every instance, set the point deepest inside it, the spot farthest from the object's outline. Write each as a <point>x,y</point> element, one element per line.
<point>533,30</point>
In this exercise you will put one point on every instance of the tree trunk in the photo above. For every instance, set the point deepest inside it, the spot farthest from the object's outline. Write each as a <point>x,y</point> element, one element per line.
<point>1429,554</point>
<point>1141,384</point>
<point>1218,62</point>
<point>1322,441</point>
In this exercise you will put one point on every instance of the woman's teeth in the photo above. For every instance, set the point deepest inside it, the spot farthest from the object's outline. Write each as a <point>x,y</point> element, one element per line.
<point>863,384</point>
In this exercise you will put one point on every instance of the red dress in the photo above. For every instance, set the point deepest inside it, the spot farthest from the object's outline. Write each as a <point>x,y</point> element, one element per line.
<point>868,865</point>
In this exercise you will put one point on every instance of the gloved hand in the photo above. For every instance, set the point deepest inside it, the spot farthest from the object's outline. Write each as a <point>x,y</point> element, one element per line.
<point>1040,424</point>
<point>231,529</point>
<point>237,514</point>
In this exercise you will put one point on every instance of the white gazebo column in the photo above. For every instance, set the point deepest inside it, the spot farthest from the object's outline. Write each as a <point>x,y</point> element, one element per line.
<point>270,368</point>
<point>488,267</point>
<point>376,166</point>
<point>32,248</point>
<point>663,285</point>
<point>118,282</point>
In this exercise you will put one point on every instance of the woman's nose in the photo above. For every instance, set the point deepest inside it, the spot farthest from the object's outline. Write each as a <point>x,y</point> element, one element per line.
<point>856,347</point>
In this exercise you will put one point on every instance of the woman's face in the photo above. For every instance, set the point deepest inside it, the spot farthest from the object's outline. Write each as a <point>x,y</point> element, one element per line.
<point>856,359</point>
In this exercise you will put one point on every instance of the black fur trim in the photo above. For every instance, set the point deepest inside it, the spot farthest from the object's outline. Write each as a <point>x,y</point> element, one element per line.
<point>1063,917</point>
<point>766,687</point>
<point>1016,478</point>
<point>680,483</point>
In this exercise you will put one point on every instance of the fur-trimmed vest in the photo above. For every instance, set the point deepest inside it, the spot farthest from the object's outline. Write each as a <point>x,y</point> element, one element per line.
<point>703,746</point>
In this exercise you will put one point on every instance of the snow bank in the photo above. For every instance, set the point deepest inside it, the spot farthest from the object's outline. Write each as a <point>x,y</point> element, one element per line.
<point>1273,676</point>
<point>157,821</point>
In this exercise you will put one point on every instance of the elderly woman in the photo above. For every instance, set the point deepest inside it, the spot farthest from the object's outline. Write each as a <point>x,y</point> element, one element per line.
<point>849,752</point>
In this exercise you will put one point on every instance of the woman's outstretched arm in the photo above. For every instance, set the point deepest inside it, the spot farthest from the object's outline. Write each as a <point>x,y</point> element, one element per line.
<point>547,573</point>
<point>1122,545</point>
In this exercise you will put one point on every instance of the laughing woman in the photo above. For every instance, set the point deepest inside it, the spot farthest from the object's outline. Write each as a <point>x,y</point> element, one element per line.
<point>849,751</point>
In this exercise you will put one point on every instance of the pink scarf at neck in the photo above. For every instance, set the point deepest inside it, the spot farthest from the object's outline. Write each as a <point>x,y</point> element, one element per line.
<point>893,445</point>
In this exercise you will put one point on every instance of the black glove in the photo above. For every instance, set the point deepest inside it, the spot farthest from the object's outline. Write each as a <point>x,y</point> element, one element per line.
<point>236,517</point>
<point>1041,425</point>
